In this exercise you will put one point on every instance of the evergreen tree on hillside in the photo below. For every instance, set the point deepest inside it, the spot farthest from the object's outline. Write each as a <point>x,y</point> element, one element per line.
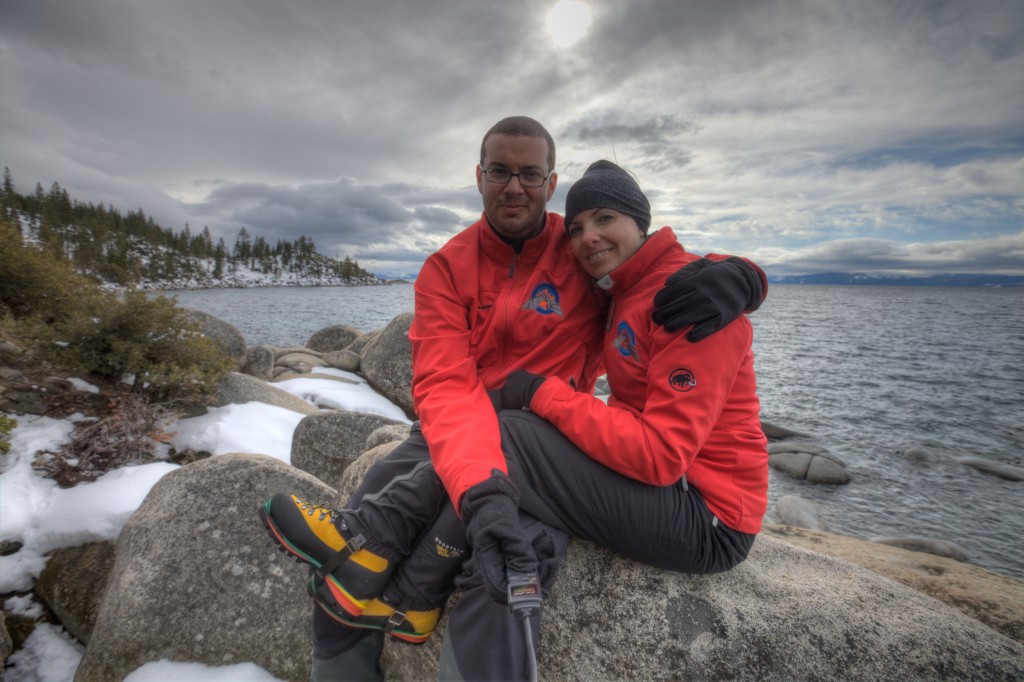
<point>219,256</point>
<point>9,200</point>
<point>128,248</point>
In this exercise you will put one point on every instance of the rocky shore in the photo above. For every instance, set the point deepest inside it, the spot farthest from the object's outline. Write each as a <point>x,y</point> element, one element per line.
<point>193,577</point>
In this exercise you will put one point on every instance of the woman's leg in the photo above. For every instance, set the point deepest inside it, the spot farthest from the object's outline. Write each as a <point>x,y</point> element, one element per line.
<point>667,527</point>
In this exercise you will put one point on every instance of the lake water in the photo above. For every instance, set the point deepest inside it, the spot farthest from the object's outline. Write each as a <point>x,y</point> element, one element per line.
<point>866,371</point>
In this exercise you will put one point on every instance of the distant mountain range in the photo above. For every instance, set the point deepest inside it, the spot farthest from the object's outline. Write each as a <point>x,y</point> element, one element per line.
<point>967,280</point>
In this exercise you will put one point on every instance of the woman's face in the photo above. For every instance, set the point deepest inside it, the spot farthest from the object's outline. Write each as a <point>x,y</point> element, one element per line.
<point>603,239</point>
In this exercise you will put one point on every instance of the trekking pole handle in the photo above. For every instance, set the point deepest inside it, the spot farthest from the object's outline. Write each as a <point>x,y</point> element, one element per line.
<point>524,597</point>
<point>524,594</point>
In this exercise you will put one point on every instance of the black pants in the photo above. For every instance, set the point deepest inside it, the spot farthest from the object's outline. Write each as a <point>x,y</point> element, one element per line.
<point>666,527</point>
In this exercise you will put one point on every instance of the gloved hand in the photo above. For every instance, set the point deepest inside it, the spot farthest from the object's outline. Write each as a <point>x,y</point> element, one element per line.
<point>490,510</point>
<point>707,294</point>
<point>495,395</point>
<point>519,388</point>
<point>549,564</point>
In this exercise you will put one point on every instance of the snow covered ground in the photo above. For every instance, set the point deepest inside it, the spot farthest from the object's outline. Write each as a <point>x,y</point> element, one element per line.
<point>43,517</point>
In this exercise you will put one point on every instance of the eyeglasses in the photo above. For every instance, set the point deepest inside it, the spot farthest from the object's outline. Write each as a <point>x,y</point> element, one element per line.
<point>527,178</point>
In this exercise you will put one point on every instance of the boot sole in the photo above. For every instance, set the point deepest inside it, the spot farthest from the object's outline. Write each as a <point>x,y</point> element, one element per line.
<point>353,621</point>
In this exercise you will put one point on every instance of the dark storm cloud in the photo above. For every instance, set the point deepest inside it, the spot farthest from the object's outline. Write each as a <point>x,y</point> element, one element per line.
<point>437,220</point>
<point>659,130</point>
<point>344,211</point>
<point>653,142</point>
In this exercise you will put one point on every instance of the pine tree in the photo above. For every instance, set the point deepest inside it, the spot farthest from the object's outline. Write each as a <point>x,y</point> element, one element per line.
<point>9,198</point>
<point>219,255</point>
<point>243,246</point>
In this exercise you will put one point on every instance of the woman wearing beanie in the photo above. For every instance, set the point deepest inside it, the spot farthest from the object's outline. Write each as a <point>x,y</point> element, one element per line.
<point>676,460</point>
<point>671,472</point>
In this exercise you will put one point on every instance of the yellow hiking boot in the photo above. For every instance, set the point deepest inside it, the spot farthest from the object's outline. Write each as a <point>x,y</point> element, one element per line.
<point>399,621</point>
<point>317,535</point>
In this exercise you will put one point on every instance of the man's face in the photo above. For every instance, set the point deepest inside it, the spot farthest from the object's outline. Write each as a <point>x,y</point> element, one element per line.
<point>515,211</point>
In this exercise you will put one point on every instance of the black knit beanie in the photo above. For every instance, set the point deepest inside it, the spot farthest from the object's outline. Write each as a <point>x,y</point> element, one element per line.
<point>605,185</point>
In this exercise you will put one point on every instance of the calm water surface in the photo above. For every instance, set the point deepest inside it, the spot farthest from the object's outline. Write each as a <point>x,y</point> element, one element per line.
<point>865,371</point>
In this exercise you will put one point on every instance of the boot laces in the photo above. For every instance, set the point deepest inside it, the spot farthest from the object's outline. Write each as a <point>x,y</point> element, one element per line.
<point>311,508</point>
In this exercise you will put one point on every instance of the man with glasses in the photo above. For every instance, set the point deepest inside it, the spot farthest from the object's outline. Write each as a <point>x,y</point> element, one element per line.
<point>503,295</point>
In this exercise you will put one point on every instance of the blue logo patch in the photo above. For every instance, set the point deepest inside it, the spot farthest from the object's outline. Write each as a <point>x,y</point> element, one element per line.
<point>544,300</point>
<point>625,342</point>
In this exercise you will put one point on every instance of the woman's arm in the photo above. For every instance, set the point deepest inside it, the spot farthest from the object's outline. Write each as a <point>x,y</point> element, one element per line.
<point>687,386</point>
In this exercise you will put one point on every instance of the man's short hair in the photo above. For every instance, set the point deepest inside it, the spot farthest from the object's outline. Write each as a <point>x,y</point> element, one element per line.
<point>520,125</point>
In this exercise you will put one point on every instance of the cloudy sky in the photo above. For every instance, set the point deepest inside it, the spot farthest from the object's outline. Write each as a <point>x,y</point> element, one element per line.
<point>882,136</point>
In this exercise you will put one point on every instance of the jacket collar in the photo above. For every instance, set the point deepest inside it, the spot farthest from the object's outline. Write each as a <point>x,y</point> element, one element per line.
<point>623,278</point>
<point>498,249</point>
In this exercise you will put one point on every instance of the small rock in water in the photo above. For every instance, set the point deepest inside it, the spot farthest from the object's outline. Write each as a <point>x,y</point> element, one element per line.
<point>1007,471</point>
<point>775,432</point>
<point>919,454</point>
<point>827,470</point>
<point>809,461</point>
<point>795,446</point>
<point>943,548</point>
<point>794,510</point>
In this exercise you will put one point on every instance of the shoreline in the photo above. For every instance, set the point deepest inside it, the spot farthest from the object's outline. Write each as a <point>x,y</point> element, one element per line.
<point>993,598</point>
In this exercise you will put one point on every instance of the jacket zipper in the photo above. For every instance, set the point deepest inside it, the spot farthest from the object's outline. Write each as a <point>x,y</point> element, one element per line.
<point>506,309</point>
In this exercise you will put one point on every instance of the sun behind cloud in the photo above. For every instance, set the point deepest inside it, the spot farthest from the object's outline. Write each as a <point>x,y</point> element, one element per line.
<point>567,22</point>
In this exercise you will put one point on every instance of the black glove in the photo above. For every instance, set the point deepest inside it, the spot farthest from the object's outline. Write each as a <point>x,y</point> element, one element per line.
<point>490,510</point>
<point>495,395</point>
<point>707,294</point>
<point>549,564</point>
<point>519,388</point>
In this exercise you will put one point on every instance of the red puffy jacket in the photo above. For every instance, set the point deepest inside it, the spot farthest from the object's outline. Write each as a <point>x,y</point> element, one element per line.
<point>677,408</point>
<point>483,311</point>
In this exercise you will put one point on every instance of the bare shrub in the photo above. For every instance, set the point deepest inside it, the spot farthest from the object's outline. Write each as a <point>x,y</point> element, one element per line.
<point>129,435</point>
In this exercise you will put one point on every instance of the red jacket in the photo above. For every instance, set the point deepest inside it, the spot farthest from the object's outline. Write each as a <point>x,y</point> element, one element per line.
<point>677,408</point>
<point>482,312</point>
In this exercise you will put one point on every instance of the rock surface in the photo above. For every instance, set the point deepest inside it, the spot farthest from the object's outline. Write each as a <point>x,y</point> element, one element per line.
<point>72,585</point>
<point>943,548</point>
<point>1007,471</point>
<point>387,363</point>
<point>809,461</point>
<point>6,644</point>
<point>242,388</point>
<point>259,362</point>
<point>325,444</point>
<point>992,598</point>
<point>226,335</point>
<point>797,511</point>
<point>197,578</point>
<point>333,338</point>
<point>784,614</point>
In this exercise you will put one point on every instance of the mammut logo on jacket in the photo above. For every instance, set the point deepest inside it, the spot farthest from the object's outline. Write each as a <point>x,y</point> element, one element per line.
<point>682,380</point>
<point>544,300</point>
<point>625,342</point>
